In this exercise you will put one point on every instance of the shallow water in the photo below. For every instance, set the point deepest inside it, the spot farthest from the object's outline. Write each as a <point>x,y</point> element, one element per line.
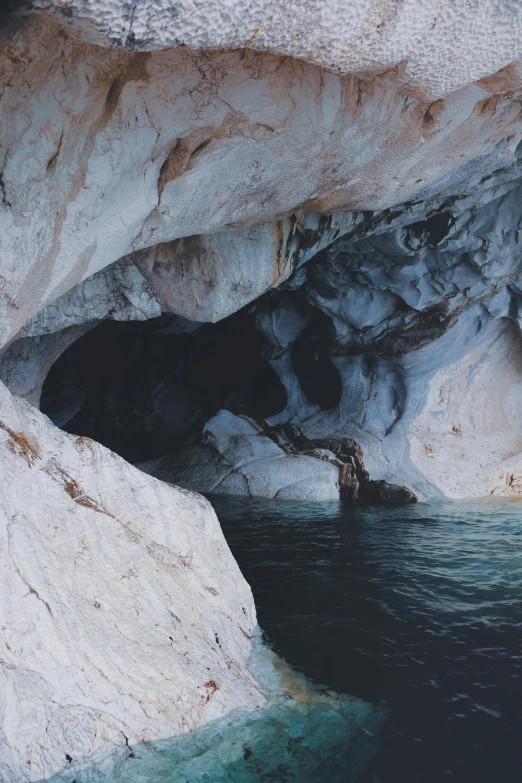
<point>420,606</point>
<point>286,742</point>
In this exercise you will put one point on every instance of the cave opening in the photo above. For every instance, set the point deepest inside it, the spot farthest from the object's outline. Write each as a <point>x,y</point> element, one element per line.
<point>144,388</point>
<point>318,377</point>
<point>433,229</point>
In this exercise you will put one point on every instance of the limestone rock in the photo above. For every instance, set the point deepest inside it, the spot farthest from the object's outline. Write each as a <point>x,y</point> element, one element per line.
<point>435,45</point>
<point>440,419</point>
<point>409,310</point>
<point>151,159</point>
<point>124,615</point>
<point>237,458</point>
<point>395,291</point>
<point>145,148</point>
<point>119,292</point>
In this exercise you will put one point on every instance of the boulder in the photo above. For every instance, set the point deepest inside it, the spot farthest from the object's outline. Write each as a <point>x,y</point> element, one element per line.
<point>124,615</point>
<point>236,457</point>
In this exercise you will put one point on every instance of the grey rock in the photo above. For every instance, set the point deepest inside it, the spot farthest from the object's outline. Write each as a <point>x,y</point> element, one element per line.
<point>384,494</point>
<point>237,458</point>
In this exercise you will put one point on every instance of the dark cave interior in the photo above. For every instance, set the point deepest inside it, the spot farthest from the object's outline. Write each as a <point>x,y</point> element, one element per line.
<point>144,388</point>
<point>141,388</point>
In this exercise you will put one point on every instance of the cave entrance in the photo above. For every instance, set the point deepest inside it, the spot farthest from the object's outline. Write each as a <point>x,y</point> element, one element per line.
<point>143,388</point>
<point>318,377</point>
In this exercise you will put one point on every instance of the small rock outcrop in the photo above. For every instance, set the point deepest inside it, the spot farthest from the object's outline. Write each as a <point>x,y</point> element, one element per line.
<point>347,455</point>
<point>237,455</point>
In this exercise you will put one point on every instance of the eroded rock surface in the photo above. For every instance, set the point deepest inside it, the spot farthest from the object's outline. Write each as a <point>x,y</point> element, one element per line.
<point>237,456</point>
<point>435,45</point>
<point>124,615</point>
<point>106,152</point>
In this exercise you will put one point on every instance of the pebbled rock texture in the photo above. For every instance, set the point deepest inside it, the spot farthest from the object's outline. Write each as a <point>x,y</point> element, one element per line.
<point>433,45</point>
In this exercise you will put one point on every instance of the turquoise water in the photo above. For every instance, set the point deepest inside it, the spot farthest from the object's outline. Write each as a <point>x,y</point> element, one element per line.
<point>417,606</point>
<point>284,743</point>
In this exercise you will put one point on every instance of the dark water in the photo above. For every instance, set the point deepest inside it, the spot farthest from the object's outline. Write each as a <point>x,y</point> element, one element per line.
<point>420,606</point>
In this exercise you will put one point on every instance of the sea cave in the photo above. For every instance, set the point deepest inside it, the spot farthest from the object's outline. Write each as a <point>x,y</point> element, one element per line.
<point>260,391</point>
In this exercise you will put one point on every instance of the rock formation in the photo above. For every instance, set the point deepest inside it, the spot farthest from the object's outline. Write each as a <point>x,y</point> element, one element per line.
<point>349,180</point>
<point>237,456</point>
<point>124,615</point>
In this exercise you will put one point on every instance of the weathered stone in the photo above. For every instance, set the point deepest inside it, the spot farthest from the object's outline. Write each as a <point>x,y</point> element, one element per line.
<point>236,457</point>
<point>381,493</point>
<point>151,160</point>
<point>146,148</point>
<point>120,603</point>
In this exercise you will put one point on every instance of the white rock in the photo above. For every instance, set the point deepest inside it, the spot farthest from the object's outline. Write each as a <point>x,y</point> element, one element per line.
<point>442,420</point>
<point>436,45</point>
<point>468,438</point>
<point>106,152</point>
<point>207,277</point>
<point>123,612</point>
<point>238,459</point>
<point>119,292</point>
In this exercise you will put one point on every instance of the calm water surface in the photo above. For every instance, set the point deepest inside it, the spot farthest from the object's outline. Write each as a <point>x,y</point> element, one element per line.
<point>419,606</point>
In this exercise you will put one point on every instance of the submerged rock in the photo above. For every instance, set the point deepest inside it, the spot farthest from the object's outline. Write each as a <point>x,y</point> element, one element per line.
<point>304,733</point>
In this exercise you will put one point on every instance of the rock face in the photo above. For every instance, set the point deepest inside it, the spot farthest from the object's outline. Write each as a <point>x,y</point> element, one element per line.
<point>384,204</point>
<point>417,323</point>
<point>144,148</point>
<point>124,615</point>
<point>424,38</point>
<point>347,455</point>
